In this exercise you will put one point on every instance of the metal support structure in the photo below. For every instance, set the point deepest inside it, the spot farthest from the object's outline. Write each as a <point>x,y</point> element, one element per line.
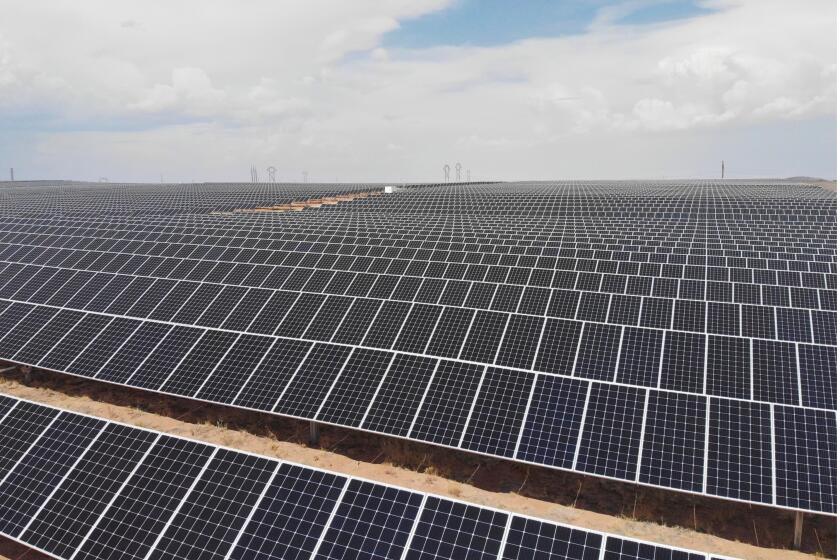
<point>314,433</point>
<point>27,374</point>
<point>797,530</point>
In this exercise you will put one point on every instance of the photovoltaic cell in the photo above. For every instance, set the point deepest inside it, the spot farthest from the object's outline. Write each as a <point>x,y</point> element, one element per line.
<point>396,404</point>
<point>372,521</point>
<point>72,511</point>
<point>385,328</point>
<point>21,427</point>
<point>48,337</point>
<point>165,357</point>
<point>450,333</point>
<point>806,458</point>
<point>639,359</point>
<point>728,372</point>
<point>529,538</point>
<point>30,482</point>
<point>201,361</point>
<point>625,549</point>
<point>499,409</point>
<point>454,530</point>
<point>357,321</point>
<point>232,372</point>
<point>598,351</point>
<point>611,434</point>
<point>27,328</point>
<point>349,399</point>
<point>314,378</point>
<point>683,362</point>
<point>520,342</point>
<point>142,508</point>
<point>551,429</point>
<point>291,516</point>
<point>674,441</point>
<point>94,356</point>
<point>131,354</point>
<point>486,332</point>
<point>559,346</point>
<point>212,515</point>
<point>269,379</point>
<point>444,411</point>
<point>418,327</point>
<point>739,459</point>
<point>78,338</point>
<point>818,376</point>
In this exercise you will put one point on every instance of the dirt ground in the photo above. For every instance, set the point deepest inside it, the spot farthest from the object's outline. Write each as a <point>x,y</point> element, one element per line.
<point>695,522</point>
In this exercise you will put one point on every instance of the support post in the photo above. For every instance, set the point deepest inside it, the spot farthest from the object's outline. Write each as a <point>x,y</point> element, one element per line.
<point>27,374</point>
<point>314,433</point>
<point>797,530</point>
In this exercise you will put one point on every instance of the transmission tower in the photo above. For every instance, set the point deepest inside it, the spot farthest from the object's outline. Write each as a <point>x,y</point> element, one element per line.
<point>446,173</point>
<point>271,171</point>
<point>458,172</point>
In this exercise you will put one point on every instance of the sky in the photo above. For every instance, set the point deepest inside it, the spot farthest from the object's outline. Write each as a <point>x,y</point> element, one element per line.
<point>392,90</point>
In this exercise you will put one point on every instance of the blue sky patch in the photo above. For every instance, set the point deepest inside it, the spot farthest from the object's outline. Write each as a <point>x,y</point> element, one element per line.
<point>496,22</point>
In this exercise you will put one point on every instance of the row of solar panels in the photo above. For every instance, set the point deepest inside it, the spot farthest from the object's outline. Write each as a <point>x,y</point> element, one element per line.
<point>777,287</point>
<point>646,229</point>
<point>719,363</point>
<point>316,272</point>
<point>163,199</point>
<point>802,322</point>
<point>80,487</point>
<point>479,244</point>
<point>743,450</point>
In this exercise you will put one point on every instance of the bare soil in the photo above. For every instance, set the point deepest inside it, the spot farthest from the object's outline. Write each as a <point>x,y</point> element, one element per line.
<point>696,522</point>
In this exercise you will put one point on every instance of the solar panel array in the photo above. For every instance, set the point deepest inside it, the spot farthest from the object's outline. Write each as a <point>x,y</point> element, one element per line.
<point>40,198</point>
<point>75,486</point>
<point>679,335</point>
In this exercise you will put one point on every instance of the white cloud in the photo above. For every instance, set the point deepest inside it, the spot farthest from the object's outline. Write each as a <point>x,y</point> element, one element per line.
<point>308,84</point>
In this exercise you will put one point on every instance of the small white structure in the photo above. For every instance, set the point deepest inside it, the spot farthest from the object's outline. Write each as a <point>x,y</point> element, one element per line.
<point>389,189</point>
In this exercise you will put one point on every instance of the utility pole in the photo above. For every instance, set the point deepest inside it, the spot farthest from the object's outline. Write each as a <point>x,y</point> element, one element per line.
<point>12,173</point>
<point>721,169</point>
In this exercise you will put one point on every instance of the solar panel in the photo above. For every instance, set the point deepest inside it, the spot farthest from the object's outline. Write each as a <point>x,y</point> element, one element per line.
<point>103,489</point>
<point>723,290</point>
<point>31,480</point>
<point>370,521</point>
<point>76,505</point>
<point>209,518</point>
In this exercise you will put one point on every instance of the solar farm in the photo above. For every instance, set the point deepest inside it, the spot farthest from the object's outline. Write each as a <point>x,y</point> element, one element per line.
<point>677,337</point>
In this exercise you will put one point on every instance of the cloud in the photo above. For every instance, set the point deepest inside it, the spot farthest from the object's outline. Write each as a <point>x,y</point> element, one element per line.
<point>307,84</point>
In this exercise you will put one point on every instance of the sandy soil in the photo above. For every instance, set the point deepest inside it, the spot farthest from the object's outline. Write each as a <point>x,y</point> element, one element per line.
<point>666,517</point>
